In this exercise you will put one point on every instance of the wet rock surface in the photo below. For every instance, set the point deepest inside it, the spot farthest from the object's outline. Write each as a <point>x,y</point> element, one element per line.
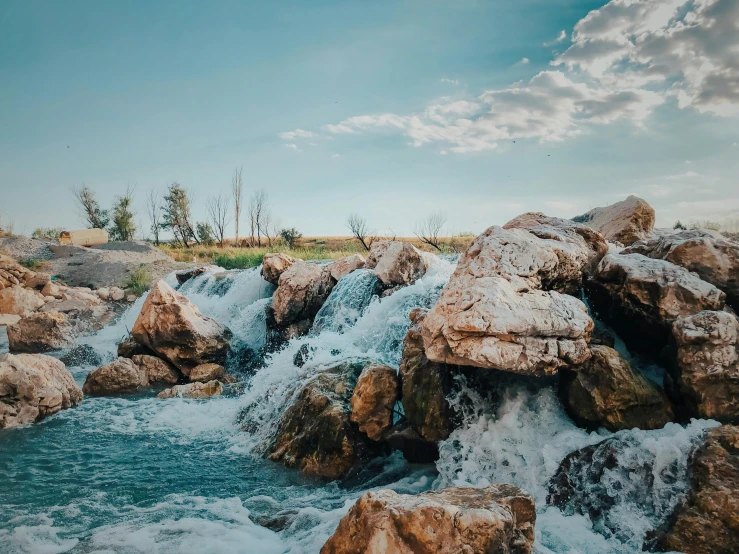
<point>193,390</point>
<point>274,265</point>
<point>156,369</point>
<point>395,262</point>
<point>121,376</point>
<point>373,399</point>
<point>41,332</point>
<point>302,290</point>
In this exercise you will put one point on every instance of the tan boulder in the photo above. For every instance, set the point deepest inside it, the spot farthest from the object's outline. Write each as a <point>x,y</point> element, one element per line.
<point>120,376</point>
<point>173,327</point>
<point>373,400</point>
<point>207,372</point>
<point>302,290</point>
<point>395,262</point>
<point>498,519</point>
<point>705,376</point>
<point>52,289</point>
<point>20,301</point>
<point>706,521</point>
<point>713,257</point>
<point>9,319</point>
<point>625,222</point>
<point>274,265</point>
<point>117,294</point>
<point>345,266</point>
<point>33,386</point>
<point>38,281</point>
<point>41,332</point>
<point>103,293</point>
<point>156,369</point>
<point>193,390</point>
<point>606,391</point>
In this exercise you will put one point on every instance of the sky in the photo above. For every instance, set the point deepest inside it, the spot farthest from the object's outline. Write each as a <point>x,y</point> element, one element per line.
<point>393,110</point>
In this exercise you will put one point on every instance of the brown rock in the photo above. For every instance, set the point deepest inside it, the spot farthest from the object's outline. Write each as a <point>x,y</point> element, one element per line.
<point>20,301</point>
<point>498,519</point>
<point>395,262</point>
<point>173,327</point>
<point>184,276</point>
<point>705,376</point>
<point>606,391</point>
<point>708,519</point>
<point>118,377</point>
<point>156,369</point>
<point>36,281</point>
<point>207,372</point>
<point>41,332</point>
<point>346,265</point>
<point>128,348</point>
<point>193,390</point>
<point>52,289</point>
<point>373,400</point>
<point>625,222</point>
<point>33,386</point>
<point>710,255</point>
<point>274,265</point>
<point>302,290</point>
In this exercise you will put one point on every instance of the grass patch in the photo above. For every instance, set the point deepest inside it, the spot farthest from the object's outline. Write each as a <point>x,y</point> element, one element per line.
<point>139,281</point>
<point>237,261</point>
<point>30,263</point>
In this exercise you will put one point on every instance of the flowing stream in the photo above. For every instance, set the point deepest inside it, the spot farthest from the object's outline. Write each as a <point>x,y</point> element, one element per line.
<point>141,475</point>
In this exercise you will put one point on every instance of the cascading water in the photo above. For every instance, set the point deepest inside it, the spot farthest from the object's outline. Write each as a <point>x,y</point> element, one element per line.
<point>139,474</point>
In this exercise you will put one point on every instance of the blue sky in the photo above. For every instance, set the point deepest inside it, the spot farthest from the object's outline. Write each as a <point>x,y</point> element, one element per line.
<point>389,109</point>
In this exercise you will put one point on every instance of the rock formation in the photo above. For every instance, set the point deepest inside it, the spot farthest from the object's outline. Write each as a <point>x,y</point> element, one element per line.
<point>373,400</point>
<point>302,290</point>
<point>395,262</point>
<point>41,332</point>
<point>345,266</point>
<point>156,369</point>
<point>33,386</point>
<point>20,301</point>
<point>625,222</point>
<point>120,376</point>
<point>274,265</point>
<point>498,519</point>
<point>193,390</point>
<point>207,372</point>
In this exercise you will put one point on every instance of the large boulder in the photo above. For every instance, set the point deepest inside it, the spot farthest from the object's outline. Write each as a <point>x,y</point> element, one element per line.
<point>373,400</point>
<point>345,266</point>
<point>193,390</point>
<point>491,313</point>
<point>642,297</point>
<point>156,369</point>
<point>315,434</point>
<point>712,256</point>
<point>120,376</point>
<point>606,391</point>
<point>20,301</point>
<point>498,519</point>
<point>33,386</point>
<point>207,372</point>
<point>625,222</point>
<point>41,332</point>
<point>274,265</point>
<point>708,519</point>
<point>705,375</point>
<point>395,262</point>
<point>302,290</point>
<point>425,386</point>
<point>173,327</point>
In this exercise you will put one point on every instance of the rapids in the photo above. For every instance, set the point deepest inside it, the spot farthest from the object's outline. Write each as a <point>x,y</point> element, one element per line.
<point>141,475</point>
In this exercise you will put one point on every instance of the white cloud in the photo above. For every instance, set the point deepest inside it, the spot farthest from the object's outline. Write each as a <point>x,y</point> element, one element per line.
<point>560,38</point>
<point>334,156</point>
<point>292,145</point>
<point>450,81</point>
<point>688,162</point>
<point>524,61</point>
<point>296,134</point>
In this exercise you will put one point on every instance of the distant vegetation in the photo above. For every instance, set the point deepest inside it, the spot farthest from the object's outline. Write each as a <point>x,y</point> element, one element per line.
<point>47,233</point>
<point>139,281</point>
<point>30,263</point>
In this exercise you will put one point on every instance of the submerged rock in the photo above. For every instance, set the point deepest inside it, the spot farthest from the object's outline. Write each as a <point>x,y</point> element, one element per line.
<point>20,301</point>
<point>710,255</point>
<point>302,290</point>
<point>642,297</point>
<point>274,265</point>
<point>193,390</point>
<point>34,386</point>
<point>374,397</point>
<point>706,521</point>
<point>345,266</point>
<point>395,262</point>
<point>606,391</point>
<point>625,222</point>
<point>498,519</point>
<point>120,376</point>
<point>41,332</point>
<point>415,449</point>
<point>705,375</point>
<point>173,327</point>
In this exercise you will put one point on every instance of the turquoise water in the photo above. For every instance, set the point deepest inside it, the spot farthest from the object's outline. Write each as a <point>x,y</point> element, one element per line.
<point>139,475</point>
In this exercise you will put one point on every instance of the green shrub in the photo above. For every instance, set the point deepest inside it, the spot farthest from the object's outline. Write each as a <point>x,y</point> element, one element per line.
<point>47,233</point>
<point>139,281</point>
<point>30,263</point>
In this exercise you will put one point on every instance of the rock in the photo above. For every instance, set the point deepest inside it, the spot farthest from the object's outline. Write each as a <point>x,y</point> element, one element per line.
<point>395,262</point>
<point>705,376</point>
<point>207,372</point>
<point>36,280</point>
<point>302,290</point>
<point>131,298</point>
<point>34,386</point>
<point>20,301</point>
<point>710,255</point>
<point>117,294</point>
<point>606,391</point>
<point>120,376</point>
<point>184,276</point>
<point>274,265</point>
<point>41,332</point>
<point>345,266</point>
<point>193,390</point>
<point>128,348</point>
<point>625,222</point>
<point>103,293</point>
<point>315,434</point>
<point>602,336</point>
<point>425,386</point>
<point>173,327</point>
<point>9,319</point>
<point>498,519</point>
<point>642,297</point>
<point>52,289</point>
<point>706,521</point>
<point>373,400</point>
<point>156,369</point>
<point>492,315</point>
<point>415,449</point>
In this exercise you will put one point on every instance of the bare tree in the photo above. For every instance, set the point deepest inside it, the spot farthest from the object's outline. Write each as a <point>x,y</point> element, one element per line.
<point>429,229</point>
<point>360,230</point>
<point>218,208</point>
<point>154,211</point>
<point>257,211</point>
<point>238,195</point>
<point>90,211</point>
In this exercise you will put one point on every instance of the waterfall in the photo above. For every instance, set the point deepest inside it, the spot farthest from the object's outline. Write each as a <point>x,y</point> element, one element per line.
<point>351,295</point>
